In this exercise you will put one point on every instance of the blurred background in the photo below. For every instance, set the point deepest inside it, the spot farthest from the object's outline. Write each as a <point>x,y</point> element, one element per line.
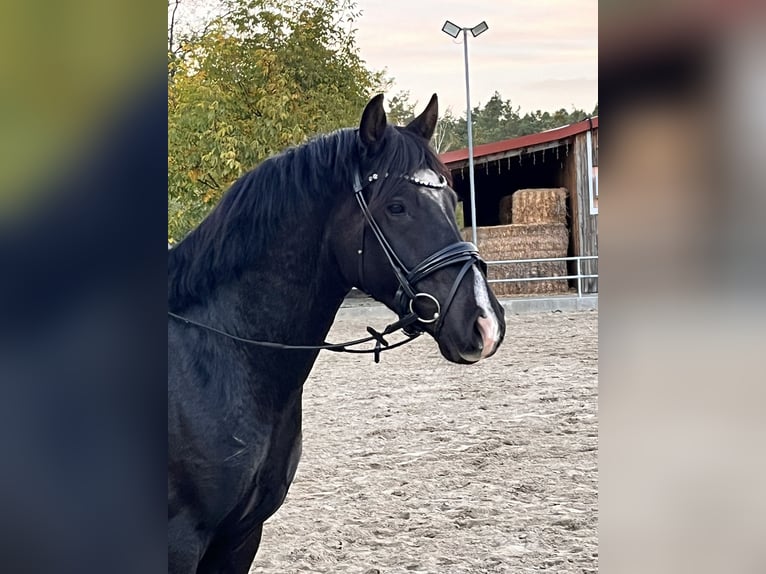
<point>82,264</point>
<point>682,391</point>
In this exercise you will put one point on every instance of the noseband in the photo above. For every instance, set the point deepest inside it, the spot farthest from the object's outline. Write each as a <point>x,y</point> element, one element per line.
<point>407,297</point>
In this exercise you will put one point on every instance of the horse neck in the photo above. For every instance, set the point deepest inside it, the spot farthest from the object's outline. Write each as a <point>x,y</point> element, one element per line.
<point>288,294</point>
<point>295,293</point>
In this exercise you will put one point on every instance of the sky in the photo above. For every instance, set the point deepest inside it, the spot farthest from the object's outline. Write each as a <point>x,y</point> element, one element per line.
<point>540,54</point>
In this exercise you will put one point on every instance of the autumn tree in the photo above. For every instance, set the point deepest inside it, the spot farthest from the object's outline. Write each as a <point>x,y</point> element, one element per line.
<point>264,75</point>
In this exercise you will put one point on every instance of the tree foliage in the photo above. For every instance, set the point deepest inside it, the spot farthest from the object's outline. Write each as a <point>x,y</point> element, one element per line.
<point>400,110</point>
<point>497,120</point>
<point>265,75</point>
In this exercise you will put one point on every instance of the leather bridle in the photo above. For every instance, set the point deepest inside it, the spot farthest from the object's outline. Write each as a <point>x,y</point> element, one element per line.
<point>407,298</point>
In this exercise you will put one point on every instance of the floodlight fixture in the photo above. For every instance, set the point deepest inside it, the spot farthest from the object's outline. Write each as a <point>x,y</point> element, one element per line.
<point>479,28</point>
<point>451,29</point>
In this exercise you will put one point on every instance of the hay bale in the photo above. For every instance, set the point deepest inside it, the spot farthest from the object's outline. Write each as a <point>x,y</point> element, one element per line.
<point>533,241</point>
<point>522,240</point>
<point>506,210</point>
<point>494,232</point>
<point>523,270</point>
<point>542,205</point>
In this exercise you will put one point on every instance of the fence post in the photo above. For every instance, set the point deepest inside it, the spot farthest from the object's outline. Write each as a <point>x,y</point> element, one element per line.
<point>579,280</point>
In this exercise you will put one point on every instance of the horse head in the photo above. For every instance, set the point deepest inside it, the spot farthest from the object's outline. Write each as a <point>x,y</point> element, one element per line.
<point>396,238</point>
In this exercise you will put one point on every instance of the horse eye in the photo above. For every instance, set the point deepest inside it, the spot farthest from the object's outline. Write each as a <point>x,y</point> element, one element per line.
<point>396,209</point>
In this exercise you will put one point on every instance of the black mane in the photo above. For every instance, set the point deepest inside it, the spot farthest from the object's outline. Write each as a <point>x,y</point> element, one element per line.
<point>239,228</point>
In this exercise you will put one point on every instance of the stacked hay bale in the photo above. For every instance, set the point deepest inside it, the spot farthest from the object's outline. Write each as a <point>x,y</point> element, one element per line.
<point>543,205</point>
<point>537,230</point>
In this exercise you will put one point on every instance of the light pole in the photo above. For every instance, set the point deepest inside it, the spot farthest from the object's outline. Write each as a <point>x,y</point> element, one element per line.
<point>453,30</point>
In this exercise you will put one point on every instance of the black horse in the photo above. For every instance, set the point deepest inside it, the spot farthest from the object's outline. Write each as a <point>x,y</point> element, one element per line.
<point>368,207</point>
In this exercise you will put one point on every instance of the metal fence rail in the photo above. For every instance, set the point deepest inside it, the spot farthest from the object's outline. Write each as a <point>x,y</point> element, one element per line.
<point>579,276</point>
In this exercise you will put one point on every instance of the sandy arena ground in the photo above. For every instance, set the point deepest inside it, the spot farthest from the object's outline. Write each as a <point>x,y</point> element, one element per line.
<point>417,465</point>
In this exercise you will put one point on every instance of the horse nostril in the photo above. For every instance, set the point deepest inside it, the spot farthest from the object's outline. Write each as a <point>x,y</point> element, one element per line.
<point>480,335</point>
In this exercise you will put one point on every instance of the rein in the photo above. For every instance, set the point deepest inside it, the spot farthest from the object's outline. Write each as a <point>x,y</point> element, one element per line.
<point>406,297</point>
<point>380,342</point>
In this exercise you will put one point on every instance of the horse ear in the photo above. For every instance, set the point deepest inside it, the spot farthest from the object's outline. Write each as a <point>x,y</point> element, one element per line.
<point>425,124</point>
<point>373,124</point>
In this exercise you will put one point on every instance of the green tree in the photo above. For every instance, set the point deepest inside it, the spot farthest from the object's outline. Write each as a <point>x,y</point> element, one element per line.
<point>400,110</point>
<point>446,136</point>
<point>498,119</point>
<point>265,75</point>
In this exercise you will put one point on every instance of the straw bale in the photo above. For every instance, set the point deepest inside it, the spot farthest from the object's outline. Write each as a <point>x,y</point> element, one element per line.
<point>506,210</point>
<point>519,270</point>
<point>541,205</point>
<point>534,241</point>
<point>521,239</point>
<point>495,231</point>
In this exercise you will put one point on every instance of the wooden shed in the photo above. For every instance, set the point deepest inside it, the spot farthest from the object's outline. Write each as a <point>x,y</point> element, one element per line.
<point>565,157</point>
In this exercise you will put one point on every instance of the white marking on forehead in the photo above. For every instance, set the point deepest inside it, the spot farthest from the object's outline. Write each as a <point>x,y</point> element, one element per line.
<point>482,301</point>
<point>438,195</point>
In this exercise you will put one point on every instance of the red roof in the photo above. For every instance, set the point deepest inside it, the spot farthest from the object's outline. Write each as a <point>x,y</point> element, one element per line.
<point>520,142</point>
